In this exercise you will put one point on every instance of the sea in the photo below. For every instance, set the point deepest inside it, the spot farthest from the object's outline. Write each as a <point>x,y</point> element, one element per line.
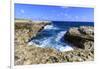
<point>52,35</point>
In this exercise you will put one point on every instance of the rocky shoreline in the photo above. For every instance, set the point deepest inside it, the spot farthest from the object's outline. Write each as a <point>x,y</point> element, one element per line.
<point>82,38</point>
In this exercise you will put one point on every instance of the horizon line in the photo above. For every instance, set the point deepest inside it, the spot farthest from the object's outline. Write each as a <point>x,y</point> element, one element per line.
<point>51,20</point>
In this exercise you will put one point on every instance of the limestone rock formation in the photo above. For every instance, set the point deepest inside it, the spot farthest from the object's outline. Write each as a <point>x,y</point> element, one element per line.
<point>26,55</point>
<point>31,54</point>
<point>27,30</point>
<point>82,37</point>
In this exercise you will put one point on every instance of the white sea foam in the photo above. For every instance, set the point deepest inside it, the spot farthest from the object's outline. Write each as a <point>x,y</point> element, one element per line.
<point>53,41</point>
<point>60,35</point>
<point>50,27</point>
<point>66,48</point>
<point>50,42</point>
<point>30,43</point>
<point>45,42</point>
<point>34,44</point>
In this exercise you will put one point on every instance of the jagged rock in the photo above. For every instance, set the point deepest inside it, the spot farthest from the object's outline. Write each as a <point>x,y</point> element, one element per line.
<point>89,45</point>
<point>82,37</point>
<point>30,54</point>
<point>25,55</point>
<point>27,30</point>
<point>87,31</point>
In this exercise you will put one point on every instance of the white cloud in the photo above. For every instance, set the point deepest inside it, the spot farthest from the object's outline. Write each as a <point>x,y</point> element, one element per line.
<point>22,11</point>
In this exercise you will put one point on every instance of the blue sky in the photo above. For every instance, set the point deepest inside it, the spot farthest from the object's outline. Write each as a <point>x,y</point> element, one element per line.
<point>53,13</point>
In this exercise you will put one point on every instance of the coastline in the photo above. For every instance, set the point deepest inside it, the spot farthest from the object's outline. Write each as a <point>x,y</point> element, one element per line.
<point>30,54</point>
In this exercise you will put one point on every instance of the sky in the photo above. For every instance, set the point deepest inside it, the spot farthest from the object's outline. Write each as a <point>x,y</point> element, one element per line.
<point>53,13</point>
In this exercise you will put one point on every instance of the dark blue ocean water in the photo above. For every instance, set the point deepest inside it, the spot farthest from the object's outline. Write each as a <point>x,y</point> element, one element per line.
<point>66,25</point>
<point>52,35</point>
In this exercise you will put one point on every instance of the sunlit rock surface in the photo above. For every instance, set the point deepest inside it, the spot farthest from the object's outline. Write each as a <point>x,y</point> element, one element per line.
<point>82,37</point>
<point>31,54</point>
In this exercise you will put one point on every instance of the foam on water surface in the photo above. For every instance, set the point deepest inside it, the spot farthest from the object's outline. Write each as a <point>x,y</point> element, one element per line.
<point>51,37</point>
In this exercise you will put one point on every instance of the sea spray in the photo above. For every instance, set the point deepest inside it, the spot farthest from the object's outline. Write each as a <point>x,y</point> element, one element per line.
<point>60,35</point>
<point>52,35</point>
<point>48,27</point>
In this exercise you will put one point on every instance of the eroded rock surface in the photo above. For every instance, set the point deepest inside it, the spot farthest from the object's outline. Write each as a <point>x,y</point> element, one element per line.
<point>30,54</point>
<point>82,37</point>
<point>35,55</point>
<point>26,31</point>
